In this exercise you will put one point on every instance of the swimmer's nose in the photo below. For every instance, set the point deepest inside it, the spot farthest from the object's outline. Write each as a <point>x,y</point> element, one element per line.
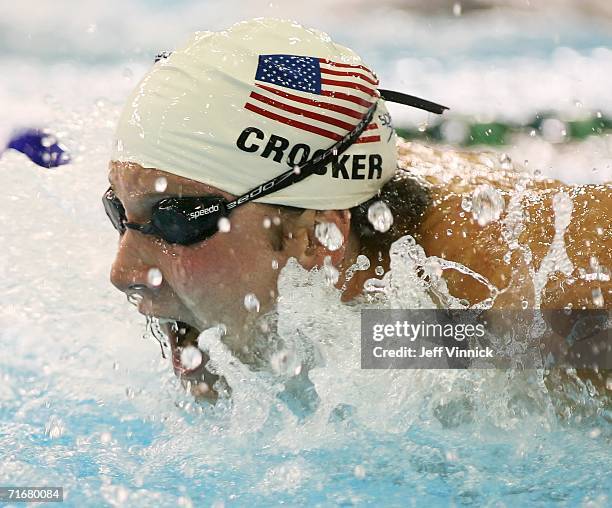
<point>129,271</point>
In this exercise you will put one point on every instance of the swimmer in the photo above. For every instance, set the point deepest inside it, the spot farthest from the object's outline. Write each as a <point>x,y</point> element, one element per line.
<point>235,146</point>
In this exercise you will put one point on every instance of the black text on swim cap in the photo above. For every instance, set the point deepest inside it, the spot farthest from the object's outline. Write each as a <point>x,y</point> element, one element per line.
<point>348,167</point>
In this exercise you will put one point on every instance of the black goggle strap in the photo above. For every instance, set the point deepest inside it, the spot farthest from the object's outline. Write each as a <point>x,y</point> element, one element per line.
<point>306,169</point>
<point>411,100</point>
<point>147,229</point>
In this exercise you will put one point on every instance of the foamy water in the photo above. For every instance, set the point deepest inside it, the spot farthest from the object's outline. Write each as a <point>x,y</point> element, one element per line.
<point>85,403</point>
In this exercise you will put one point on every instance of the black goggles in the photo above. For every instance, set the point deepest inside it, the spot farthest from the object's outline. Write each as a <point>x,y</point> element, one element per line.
<point>188,220</point>
<point>184,220</point>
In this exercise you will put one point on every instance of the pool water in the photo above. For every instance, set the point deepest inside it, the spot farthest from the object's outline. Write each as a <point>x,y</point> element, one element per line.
<point>88,404</point>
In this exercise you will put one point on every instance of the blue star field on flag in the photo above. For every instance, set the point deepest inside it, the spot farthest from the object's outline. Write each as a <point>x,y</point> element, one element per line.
<point>297,72</point>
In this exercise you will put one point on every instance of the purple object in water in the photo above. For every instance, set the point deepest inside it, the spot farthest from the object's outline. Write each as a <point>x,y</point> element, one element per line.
<point>41,147</point>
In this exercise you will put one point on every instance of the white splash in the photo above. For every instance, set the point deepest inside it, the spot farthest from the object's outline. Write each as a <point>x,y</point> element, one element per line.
<point>329,235</point>
<point>380,216</point>
<point>556,259</point>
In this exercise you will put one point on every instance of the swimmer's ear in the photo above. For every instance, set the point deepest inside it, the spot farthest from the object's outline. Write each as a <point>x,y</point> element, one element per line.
<point>302,243</point>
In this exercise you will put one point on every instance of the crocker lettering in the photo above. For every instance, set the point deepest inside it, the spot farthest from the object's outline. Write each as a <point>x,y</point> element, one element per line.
<point>279,149</point>
<point>339,166</point>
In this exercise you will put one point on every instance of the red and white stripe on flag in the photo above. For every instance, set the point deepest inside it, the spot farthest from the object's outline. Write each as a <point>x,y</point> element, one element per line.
<point>347,91</point>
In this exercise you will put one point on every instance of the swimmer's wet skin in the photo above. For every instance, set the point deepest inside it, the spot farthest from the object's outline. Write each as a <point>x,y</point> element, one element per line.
<point>188,157</point>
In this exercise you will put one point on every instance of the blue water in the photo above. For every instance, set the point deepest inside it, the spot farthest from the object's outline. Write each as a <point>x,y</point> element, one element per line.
<point>424,464</point>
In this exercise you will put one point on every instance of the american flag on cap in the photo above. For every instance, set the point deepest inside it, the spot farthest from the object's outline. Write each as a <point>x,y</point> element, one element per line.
<point>313,94</point>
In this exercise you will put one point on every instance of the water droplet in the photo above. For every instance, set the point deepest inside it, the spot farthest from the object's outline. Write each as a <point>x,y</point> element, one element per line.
<point>105,437</point>
<point>154,277</point>
<point>54,427</point>
<point>251,303</point>
<point>451,456</point>
<point>362,262</point>
<point>506,162</point>
<point>48,141</point>
<point>524,304</point>
<point>598,299</point>
<point>374,286</point>
<point>224,225</point>
<point>553,130</point>
<point>595,433</point>
<point>433,268</point>
<point>449,232</point>
<point>297,170</point>
<point>379,270</point>
<point>279,362</point>
<point>201,389</point>
<point>329,235</point>
<point>466,203</point>
<point>191,357</point>
<point>274,264</point>
<point>380,216</point>
<point>211,336</point>
<point>330,272</point>
<point>267,223</point>
<point>487,204</point>
<point>161,184</point>
<point>129,392</point>
<point>134,299</point>
<point>276,220</point>
<point>599,230</point>
<point>455,131</point>
<point>115,365</point>
<point>359,472</point>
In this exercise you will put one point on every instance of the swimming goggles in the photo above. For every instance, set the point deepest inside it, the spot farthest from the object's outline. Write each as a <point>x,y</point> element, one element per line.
<point>188,220</point>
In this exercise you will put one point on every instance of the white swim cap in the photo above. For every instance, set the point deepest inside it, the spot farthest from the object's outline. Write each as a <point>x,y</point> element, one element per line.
<point>234,109</point>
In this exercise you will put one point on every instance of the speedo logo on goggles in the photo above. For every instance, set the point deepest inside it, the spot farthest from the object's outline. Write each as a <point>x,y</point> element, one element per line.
<point>204,211</point>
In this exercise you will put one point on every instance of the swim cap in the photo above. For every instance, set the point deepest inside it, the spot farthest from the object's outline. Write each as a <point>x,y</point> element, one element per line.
<point>234,109</point>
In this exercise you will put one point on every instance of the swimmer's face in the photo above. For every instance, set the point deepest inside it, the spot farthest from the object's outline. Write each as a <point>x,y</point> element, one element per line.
<point>206,283</point>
